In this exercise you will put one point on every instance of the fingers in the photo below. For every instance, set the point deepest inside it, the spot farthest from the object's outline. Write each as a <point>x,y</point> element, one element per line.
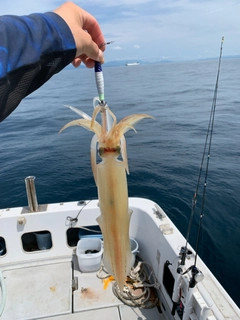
<point>91,39</point>
<point>89,47</point>
<point>80,21</point>
<point>76,62</point>
<point>91,25</point>
<point>90,63</point>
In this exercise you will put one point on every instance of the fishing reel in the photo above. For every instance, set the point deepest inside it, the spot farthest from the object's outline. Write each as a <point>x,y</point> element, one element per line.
<point>197,276</point>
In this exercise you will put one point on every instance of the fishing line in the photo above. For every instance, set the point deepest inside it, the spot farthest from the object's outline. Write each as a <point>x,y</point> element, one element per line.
<point>207,145</point>
<point>121,38</point>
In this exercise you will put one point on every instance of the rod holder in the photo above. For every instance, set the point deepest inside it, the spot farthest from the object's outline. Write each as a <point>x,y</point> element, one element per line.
<point>31,194</point>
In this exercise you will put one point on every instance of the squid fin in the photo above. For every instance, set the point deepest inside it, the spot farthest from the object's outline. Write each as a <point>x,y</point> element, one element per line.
<point>106,255</point>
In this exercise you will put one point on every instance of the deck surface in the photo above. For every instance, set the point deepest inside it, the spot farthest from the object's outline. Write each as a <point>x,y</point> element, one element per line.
<point>114,313</point>
<point>38,291</point>
<point>95,302</point>
<point>45,291</point>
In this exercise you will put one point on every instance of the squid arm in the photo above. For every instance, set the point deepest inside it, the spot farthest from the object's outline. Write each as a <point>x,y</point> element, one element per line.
<point>93,149</point>
<point>124,153</point>
<point>87,124</point>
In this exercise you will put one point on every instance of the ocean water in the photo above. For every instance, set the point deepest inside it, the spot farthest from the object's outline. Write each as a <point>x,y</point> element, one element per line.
<point>164,156</point>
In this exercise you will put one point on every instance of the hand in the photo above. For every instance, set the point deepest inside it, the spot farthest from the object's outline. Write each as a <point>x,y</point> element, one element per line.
<point>86,32</point>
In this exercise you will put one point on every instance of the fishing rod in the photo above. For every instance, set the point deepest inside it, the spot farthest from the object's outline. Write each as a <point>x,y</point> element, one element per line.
<point>206,152</point>
<point>210,132</point>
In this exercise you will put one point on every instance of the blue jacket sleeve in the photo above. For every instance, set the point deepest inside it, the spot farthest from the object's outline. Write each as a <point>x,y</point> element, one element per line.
<point>32,49</point>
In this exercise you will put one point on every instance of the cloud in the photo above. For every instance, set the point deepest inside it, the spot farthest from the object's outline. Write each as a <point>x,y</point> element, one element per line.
<point>117,48</point>
<point>182,29</point>
<point>214,11</point>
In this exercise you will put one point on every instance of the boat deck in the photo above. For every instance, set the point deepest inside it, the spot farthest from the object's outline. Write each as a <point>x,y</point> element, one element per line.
<point>42,283</point>
<point>45,291</point>
<point>95,302</point>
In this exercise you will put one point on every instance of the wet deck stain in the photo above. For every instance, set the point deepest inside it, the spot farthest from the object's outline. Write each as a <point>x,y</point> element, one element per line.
<point>53,288</point>
<point>88,293</point>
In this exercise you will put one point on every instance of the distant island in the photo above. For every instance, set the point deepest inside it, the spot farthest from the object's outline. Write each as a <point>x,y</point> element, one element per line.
<point>120,63</point>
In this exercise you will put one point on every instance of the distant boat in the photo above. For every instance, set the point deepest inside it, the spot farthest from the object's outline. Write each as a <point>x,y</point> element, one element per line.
<point>132,64</point>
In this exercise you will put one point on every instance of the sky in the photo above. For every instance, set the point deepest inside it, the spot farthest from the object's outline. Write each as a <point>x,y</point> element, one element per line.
<point>155,30</point>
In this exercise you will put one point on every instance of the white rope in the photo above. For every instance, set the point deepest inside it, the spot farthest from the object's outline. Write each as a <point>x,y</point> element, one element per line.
<point>139,278</point>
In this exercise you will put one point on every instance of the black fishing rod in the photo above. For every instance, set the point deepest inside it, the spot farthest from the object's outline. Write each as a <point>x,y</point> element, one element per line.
<point>206,151</point>
<point>210,133</point>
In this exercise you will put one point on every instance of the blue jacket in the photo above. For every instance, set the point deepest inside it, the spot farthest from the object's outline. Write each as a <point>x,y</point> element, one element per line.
<point>32,49</point>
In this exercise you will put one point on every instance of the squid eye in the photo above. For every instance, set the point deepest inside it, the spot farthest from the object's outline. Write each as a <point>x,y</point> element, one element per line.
<point>118,149</point>
<point>101,151</point>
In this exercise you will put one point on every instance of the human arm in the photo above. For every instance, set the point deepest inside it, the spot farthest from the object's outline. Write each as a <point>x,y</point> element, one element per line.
<point>33,48</point>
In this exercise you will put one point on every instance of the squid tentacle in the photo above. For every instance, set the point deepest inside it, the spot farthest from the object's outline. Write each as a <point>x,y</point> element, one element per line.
<point>95,113</point>
<point>80,112</point>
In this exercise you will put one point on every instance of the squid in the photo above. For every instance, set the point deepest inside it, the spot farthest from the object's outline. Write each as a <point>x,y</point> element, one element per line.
<point>111,182</point>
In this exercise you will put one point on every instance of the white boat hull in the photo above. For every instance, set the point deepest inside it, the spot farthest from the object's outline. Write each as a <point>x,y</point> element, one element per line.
<point>38,284</point>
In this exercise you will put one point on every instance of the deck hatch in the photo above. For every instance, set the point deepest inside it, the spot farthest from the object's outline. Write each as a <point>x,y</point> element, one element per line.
<point>75,234</point>
<point>37,241</point>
